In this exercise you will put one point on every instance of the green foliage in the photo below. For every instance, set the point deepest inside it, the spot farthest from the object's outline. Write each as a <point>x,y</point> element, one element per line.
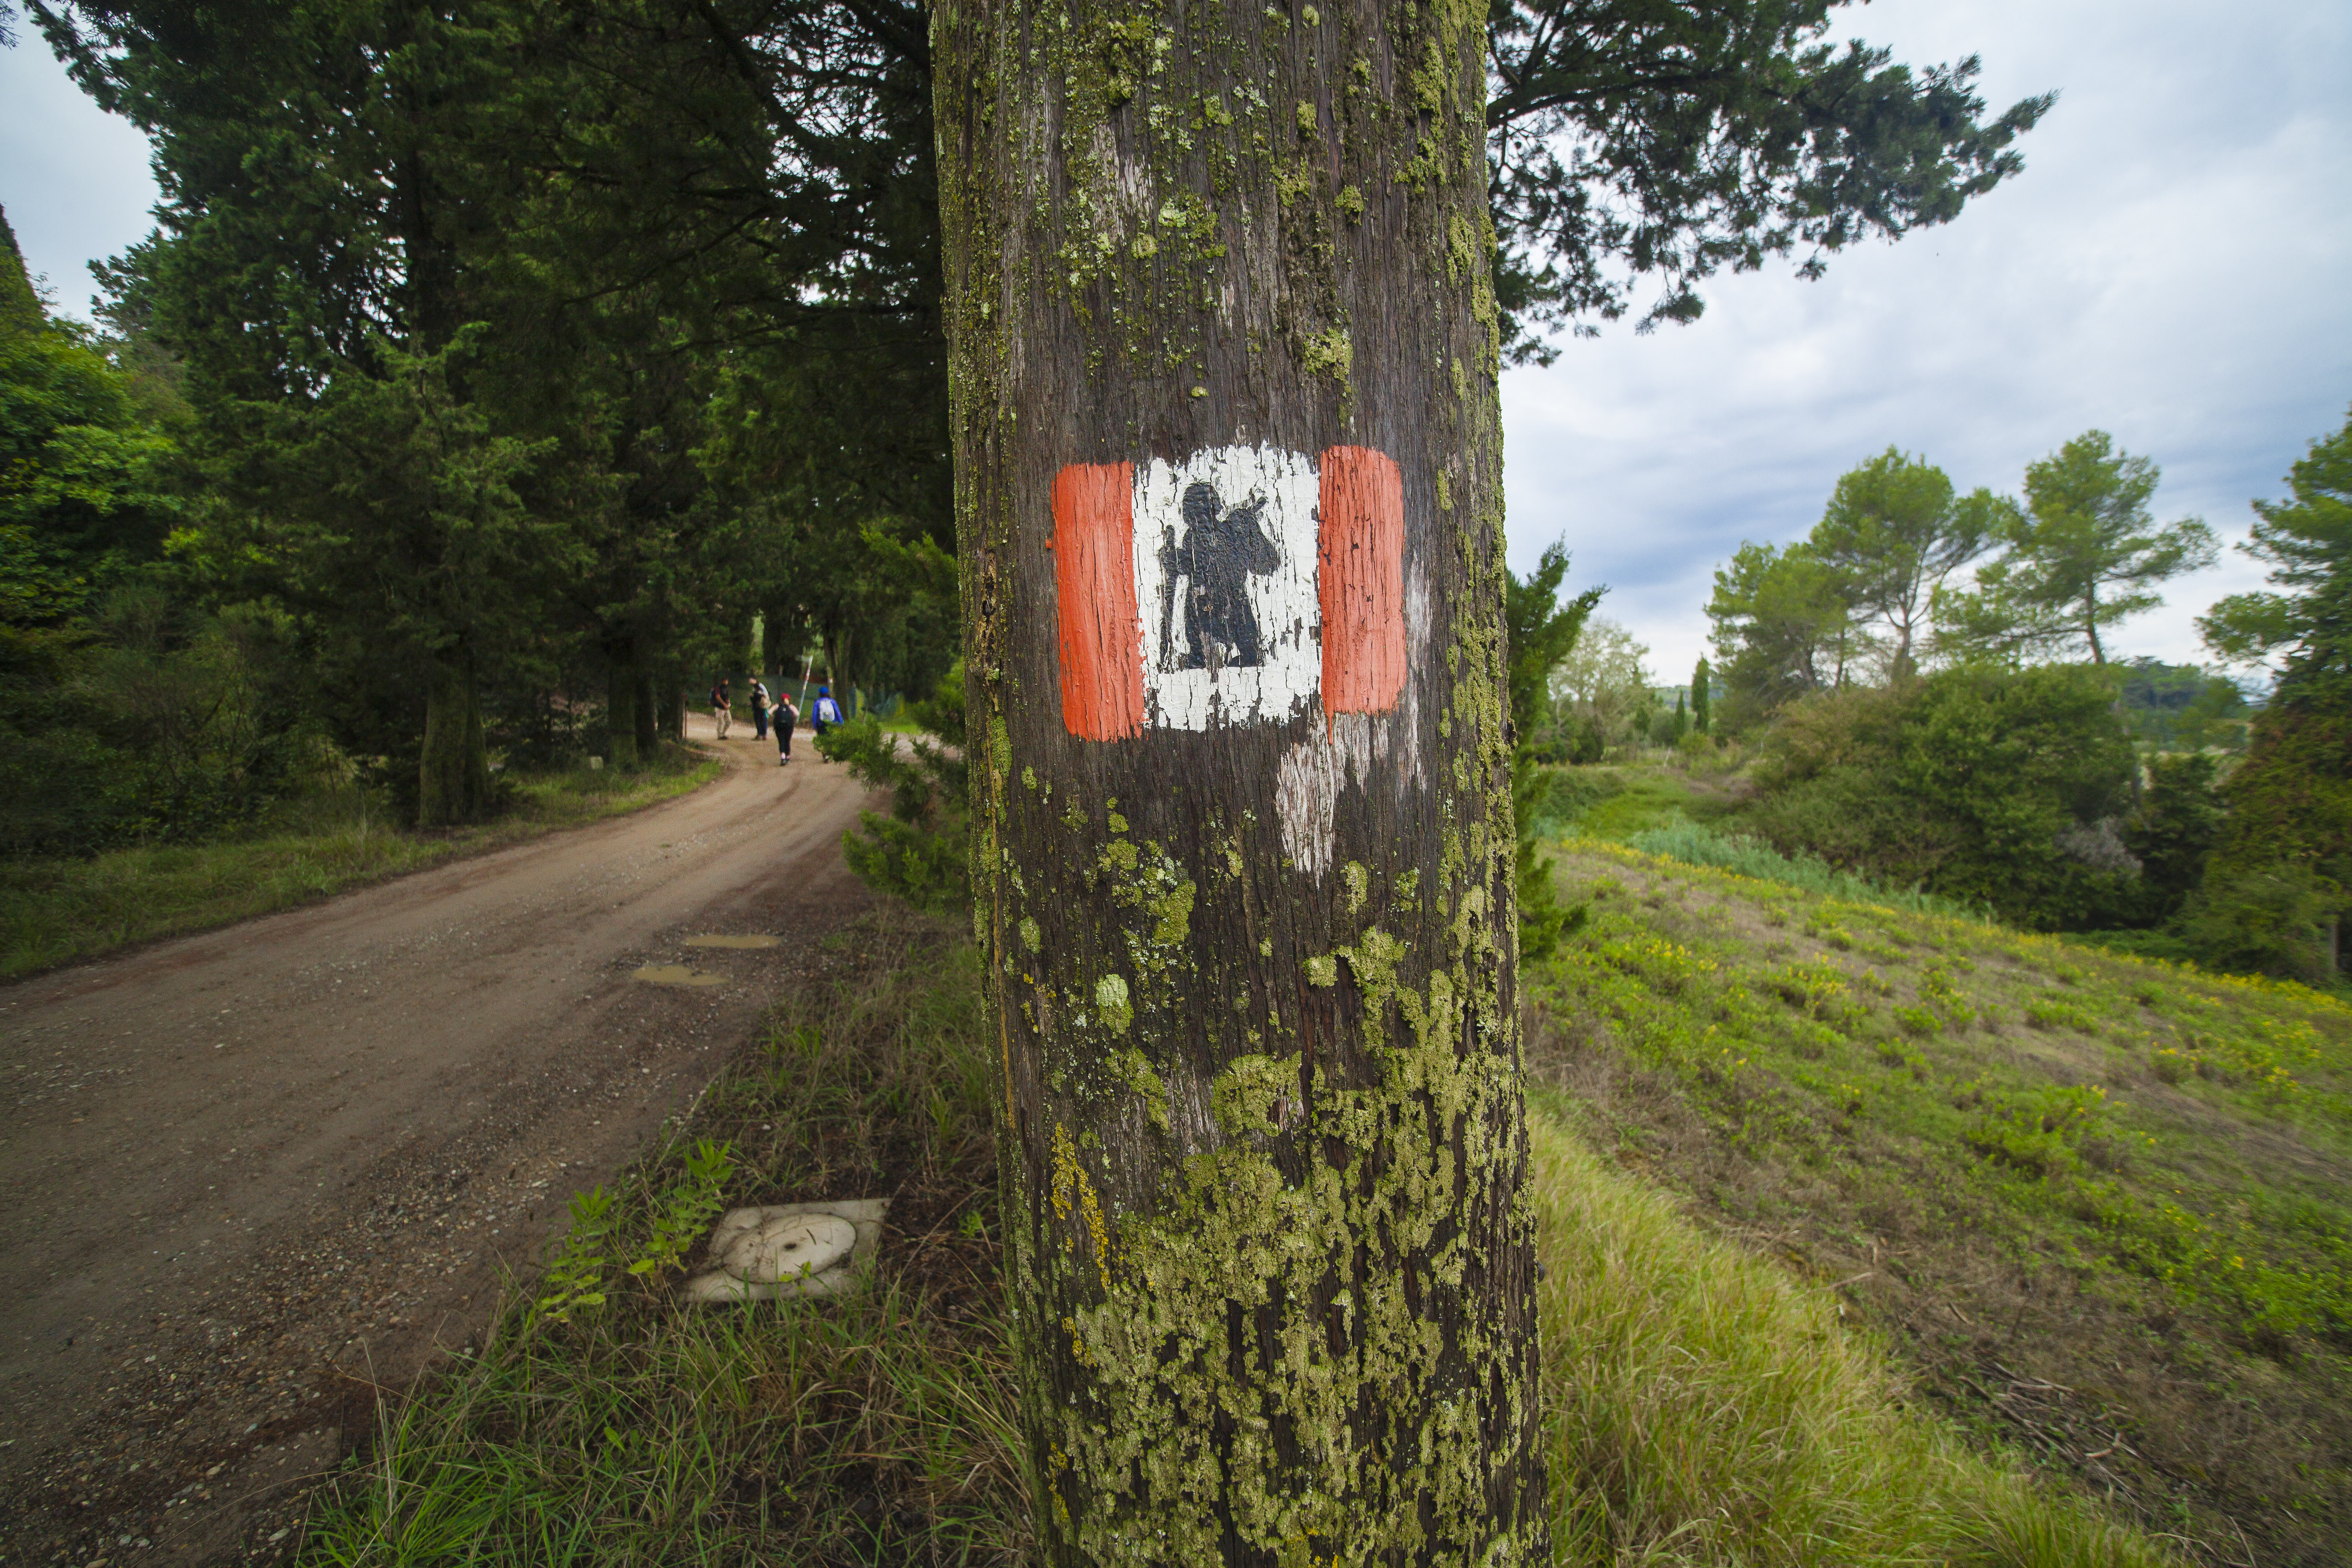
<point>2182,707</point>
<point>2008,789</point>
<point>2307,545</point>
<point>1750,856</point>
<point>574,1277</point>
<point>1599,694</point>
<point>918,853</point>
<point>1785,625</point>
<point>2178,819</point>
<point>1541,631</point>
<point>2264,916</point>
<point>679,1216</point>
<point>2279,883</point>
<point>525,362</point>
<point>1702,696</point>
<point>1894,531</point>
<point>2086,553</point>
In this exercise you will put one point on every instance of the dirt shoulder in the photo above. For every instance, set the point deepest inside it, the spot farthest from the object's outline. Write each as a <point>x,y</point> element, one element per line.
<point>260,1172</point>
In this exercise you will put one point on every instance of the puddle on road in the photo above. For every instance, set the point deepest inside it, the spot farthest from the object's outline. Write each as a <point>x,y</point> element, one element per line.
<point>675,974</point>
<point>734,941</point>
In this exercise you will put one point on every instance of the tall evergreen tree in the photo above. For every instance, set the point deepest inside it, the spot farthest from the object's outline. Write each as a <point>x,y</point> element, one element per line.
<point>2283,868</point>
<point>1543,632</point>
<point>328,181</point>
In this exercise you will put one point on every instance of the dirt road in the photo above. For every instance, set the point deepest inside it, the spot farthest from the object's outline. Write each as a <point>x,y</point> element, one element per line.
<point>247,1177</point>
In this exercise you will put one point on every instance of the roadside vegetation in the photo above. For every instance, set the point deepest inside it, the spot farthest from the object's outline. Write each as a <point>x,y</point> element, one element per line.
<point>57,909</point>
<point>1707,1403</point>
<point>601,1419</point>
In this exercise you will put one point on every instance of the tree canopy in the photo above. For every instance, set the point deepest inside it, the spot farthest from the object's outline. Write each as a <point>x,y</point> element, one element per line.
<point>2084,553</point>
<point>1635,143</point>
<point>1894,531</point>
<point>2307,545</point>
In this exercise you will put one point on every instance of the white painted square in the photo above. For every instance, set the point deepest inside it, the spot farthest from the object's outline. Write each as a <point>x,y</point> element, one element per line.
<point>1283,609</point>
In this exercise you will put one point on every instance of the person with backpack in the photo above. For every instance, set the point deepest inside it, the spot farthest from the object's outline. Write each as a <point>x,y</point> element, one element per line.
<point>721,709</point>
<point>758,709</point>
<point>825,712</point>
<point>784,716</point>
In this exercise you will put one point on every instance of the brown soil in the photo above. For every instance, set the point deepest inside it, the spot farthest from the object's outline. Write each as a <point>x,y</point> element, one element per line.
<point>254,1175</point>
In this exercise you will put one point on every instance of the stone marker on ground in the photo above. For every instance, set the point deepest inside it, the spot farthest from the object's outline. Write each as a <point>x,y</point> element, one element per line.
<point>791,1249</point>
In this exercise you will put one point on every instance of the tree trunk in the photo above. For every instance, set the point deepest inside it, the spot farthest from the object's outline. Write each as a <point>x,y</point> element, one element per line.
<point>673,701</point>
<point>454,775</point>
<point>621,702</point>
<point>1228,448</point>
<point>648,721</point>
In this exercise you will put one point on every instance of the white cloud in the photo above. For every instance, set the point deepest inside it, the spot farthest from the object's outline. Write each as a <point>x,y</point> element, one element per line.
<point>2169,267</point>
<point>73,178</point>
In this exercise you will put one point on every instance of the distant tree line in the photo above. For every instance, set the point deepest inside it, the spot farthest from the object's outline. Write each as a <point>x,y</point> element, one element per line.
<point>1970,732</point>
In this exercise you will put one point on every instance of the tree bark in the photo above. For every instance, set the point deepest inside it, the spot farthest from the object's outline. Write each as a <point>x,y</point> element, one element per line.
<point>672,682</point>
<point>621,702</point>
<point>453,774</point>
<point>648,721</point>
<point>1223,359</point>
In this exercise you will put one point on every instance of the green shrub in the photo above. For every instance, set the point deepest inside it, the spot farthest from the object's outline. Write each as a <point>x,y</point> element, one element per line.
<point>918,852</point>
<point>2001,787</point>
<point>2261,919</point>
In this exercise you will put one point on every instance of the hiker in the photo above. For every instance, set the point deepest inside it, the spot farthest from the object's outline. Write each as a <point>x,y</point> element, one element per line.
<point>825,712</point>
<point>758,709</point>
<point>784,717</point>
<point>721,709</point>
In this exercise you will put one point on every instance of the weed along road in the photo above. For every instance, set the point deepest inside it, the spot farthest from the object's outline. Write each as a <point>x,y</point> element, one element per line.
<point>252,1175</point>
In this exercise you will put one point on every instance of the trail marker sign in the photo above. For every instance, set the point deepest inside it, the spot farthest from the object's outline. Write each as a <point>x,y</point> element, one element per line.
<point>1237,585</point>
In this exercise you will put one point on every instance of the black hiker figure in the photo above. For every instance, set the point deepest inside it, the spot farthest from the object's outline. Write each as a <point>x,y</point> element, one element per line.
<point>1221,550</point>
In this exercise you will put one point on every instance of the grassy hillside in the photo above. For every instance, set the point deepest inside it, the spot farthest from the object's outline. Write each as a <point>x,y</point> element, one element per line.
<point>2102,1206</point>
<point>1705,1404</point>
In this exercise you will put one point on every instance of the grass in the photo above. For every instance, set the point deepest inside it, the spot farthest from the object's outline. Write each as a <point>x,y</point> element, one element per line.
<point>53,912</point>
<point>1751,857</point>
<point>1707,1408</point>
<point>875,1429</point>
<point>1615,803</point>
<point>1705,1405</point>
<point>2098,1204</point>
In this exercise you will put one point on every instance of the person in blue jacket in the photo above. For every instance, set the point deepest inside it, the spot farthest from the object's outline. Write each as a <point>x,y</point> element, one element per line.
<point>825,712</point>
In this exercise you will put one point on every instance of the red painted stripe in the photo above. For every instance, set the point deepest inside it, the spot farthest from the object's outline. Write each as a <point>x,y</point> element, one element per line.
<point>1094,585</point>
<point>1360,580</point>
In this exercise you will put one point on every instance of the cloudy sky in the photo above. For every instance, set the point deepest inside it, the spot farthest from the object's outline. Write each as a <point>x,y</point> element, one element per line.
<point>2171,267</point>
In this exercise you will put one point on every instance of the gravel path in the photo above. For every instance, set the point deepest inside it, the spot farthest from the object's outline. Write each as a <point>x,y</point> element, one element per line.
<point>248,1177</point>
